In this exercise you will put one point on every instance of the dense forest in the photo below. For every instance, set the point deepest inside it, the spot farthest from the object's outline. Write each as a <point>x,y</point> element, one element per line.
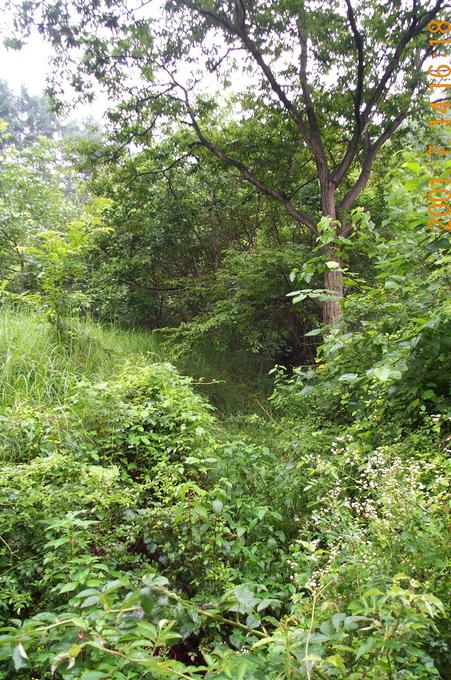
<point>225,342</point>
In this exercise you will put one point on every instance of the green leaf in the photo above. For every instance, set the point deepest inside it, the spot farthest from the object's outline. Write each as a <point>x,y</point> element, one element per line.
<point>368,646</point>
<point>201,511</point>
<point>252,621</point>
<point>236,639</point>
<point>245,598</point>
<point>111,586</point>
<point>68,587</point>
<point>315,331</point>
<point>348,377</point>
<point>262,642</point>
<point>217,506</point>
<point>372,592</point>
<point>74,651</point>
<point>19,657</point>
<point>337,661</point>
<point>88,591</point>
<point>413,166</point>
<point>384,373</point>
<point>93,599</point>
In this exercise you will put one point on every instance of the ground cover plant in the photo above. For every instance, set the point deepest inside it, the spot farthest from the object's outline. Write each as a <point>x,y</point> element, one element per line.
<point>224,346</point>
<point>143,536</point>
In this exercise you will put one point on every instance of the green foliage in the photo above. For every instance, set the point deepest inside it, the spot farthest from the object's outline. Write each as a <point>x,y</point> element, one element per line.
<point>47,226</point>
<point>32,199</point>
<point>107,633</point>
<point>28,117</point>
<point>60,258</point>
<point>214,263</point>
<point>248,308</point>
<point>388,360</point>
<point>141,535</point>
<point>38,372</point>
<point>140,538</point>
<point>307,97</point>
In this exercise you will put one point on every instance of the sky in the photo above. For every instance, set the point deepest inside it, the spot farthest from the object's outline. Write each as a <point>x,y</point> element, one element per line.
<point>29,67</point>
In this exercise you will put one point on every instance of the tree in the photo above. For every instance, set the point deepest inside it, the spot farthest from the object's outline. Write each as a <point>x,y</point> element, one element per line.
<point>344,76</point>
<point>194,248</point>
<point>28,116</point>
<point>34,187</point>
<point>60,257</point>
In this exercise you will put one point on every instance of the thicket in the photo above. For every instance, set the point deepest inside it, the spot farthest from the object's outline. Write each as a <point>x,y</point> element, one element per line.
<point>199,478</point>
<point>143,537</point>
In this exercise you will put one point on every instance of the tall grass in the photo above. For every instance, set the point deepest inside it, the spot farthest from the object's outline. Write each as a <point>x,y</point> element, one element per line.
<point>37,368</point>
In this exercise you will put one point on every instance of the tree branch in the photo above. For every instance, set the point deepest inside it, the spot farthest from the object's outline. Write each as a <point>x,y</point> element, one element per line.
<point>161,171</point>
<point>365,172</point>
<point>300,217</point>
<point>362,119</point>
<point>342,169</point>
<point>316,143</point>
<point>358,41</point>
<point>239,30</point>
<point>297,215</point>
<point>415,28</point>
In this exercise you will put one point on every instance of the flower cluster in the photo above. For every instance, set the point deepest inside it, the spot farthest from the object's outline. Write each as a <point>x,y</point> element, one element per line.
<point>368,499</point>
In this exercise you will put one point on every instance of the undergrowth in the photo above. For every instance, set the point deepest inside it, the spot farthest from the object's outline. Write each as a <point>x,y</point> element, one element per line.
<point>143,537</point>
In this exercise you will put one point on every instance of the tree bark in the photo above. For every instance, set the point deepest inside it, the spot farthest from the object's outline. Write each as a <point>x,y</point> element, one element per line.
<point>333,283</point>
<point>333,279</point>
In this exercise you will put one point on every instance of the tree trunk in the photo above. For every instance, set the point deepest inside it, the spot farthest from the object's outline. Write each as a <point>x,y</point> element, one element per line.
<point>333,279</point>
<point>333,283</point>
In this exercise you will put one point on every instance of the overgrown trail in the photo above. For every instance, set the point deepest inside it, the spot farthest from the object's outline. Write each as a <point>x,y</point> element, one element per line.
<point>145,533</point>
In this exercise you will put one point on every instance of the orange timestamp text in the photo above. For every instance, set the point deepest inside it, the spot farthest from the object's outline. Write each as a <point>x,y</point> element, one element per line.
<point>439,196</point>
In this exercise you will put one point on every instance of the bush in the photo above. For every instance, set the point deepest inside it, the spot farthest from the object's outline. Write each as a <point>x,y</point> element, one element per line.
<point>142,538</point>
<point>126,448</point>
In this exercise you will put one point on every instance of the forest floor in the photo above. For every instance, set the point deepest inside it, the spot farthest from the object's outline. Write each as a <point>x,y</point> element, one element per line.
<point>114,464</point>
